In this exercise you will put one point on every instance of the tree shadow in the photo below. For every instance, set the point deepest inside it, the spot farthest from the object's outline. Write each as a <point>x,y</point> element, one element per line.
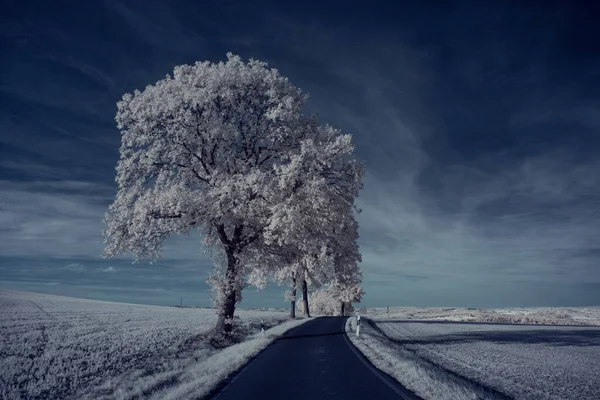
<point>301,336</point>
<point>442,322</point>
<point>559,336</point>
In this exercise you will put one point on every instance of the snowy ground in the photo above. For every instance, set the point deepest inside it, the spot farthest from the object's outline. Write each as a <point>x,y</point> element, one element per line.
<point>547,316</point>
<point>454,360</point>
<point>61,347</point>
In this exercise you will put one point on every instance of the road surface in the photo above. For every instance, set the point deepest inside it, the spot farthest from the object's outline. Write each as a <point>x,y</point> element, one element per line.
<point>312,361</point>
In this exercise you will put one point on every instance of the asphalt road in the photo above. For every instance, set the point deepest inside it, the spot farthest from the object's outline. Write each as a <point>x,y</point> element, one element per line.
<point>313,361</point>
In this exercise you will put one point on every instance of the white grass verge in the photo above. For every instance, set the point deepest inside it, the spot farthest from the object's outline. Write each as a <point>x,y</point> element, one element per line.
<point>423,379</point>
<point>201,379</point>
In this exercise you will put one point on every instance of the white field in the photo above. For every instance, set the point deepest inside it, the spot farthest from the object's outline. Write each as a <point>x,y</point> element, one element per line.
<point>457,360</point>
<point>68,348</point>
<point>538,315</point>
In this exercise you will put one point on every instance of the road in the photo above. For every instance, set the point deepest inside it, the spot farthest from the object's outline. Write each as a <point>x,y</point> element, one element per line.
<point>312,361</point>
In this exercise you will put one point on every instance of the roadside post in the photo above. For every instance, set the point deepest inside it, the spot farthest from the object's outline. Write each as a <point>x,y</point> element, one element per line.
<point>358,325</point>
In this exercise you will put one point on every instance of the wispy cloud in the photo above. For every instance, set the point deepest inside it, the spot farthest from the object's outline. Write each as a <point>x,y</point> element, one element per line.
<point>75,267</point>
<point>51,220</point>
<point>535,222</point>
<point>159,25</point>
<point>63,219</point>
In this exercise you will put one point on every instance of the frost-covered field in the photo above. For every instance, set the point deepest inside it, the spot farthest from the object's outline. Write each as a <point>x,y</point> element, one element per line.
<point>538,315</point>
<point>448,360</point>
<point>61,347</point>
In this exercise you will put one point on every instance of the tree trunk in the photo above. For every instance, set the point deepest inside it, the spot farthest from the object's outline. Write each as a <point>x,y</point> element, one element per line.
<point>343,304</point>
<point>305,298</point>
<point>227,306</point>
<point>293,305</point>
<point>225,320</point>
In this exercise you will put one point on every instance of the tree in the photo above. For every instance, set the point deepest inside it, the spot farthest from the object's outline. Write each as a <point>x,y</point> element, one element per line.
<point>345,282</point>
<point>289,271</point>
<point>291,295</point>
<point>324,302</point>
<point>313,217</point>
<point>345,295</point>
<point>203,150</point>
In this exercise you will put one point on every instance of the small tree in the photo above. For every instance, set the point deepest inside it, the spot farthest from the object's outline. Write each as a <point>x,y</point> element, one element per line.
<point>287,270</point>
<point>315,206</point>
<point>324,302</point>
<point>346,278</point>
<point>202,150</point>
<point>291,295</point>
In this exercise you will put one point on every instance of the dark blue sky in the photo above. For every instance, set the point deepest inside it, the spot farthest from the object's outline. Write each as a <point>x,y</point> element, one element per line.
<point>479,123</point>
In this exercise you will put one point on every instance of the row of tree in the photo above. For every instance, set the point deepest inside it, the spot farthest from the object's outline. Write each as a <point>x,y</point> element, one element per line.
<point>326,302</point>
<point>225,149</point>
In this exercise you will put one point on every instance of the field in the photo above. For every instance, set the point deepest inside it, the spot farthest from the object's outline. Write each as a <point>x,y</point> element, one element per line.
<point>437,357</point>
<point>61,347</point>
<point>68,348</point>
<point>583,316</point>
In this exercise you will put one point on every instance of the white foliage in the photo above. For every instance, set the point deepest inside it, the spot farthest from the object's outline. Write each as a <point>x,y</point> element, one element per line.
<point>289,296</point>
<point>198,151</point>
<point>325,302</point>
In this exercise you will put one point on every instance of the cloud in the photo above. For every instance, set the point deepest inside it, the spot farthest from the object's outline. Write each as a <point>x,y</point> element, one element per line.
<point>96,74</point>
<point>110,269</point>
<point>535,221</point>
<point>63,219</point>
<point>159,26</point>
<point>52,219</point>
<point>75,267</point>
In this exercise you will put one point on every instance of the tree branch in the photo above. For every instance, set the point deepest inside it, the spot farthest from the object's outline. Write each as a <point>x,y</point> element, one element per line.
<point>157,215</point>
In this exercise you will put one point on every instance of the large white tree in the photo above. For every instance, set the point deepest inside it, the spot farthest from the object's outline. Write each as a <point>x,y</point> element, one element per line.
<point>203,150</point>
